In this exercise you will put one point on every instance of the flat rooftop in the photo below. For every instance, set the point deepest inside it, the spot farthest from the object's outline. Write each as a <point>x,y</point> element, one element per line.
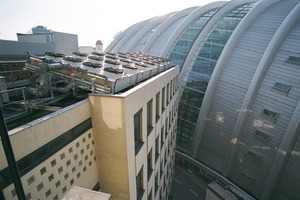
<point>55,81</point>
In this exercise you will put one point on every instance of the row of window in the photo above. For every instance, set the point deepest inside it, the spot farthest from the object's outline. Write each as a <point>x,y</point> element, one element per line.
<point>160,142</point>
<point>269,114</point>
<point>167,177</point>
<point>166,96</point>
<point>162,101</point>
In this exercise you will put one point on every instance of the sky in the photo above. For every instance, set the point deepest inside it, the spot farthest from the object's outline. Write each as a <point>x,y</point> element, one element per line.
<point>91,20</point>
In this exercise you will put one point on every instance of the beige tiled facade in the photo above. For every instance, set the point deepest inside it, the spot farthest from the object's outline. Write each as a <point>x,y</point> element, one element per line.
<point>73,164</point>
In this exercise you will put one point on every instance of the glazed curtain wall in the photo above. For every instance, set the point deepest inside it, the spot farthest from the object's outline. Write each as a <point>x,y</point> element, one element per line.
<point>197,76</point>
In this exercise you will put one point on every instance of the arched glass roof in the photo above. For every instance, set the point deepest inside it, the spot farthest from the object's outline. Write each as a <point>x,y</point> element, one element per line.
<point>198,74</point>
<point>181,47</point>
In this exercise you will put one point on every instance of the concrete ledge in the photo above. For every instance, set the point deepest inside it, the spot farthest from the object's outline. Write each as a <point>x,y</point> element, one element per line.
<point>78,193</point>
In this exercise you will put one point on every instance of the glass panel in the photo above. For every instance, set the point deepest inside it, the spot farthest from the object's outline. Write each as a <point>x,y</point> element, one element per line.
<point>281,86</point>
<point>198,74</point>
<point>186,39</point>
<point>270,113</point>
<point>294,59</point>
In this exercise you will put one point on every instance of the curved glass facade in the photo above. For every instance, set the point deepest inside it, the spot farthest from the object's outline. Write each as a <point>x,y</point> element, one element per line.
<point>197,76</point>
<point>181,47</point>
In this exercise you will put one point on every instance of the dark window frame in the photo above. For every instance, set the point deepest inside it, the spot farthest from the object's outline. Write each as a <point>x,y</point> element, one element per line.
<point>138,130</point>
<point>157,106</point>
<point>149,116</point>
<point>140,184</point>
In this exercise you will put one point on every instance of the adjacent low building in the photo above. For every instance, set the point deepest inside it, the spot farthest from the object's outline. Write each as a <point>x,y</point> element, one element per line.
<point>121,142</point>
<point>37,41</point>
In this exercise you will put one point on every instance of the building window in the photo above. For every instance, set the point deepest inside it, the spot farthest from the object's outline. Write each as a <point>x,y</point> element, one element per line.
<point>163,96</point>
<point>40,186</point>
<point>166,129</point>
<point>139,185</point>
<point>168,93</point>
<point>150,195</point>
<point>281,87</point>
<point>138,130</point>
<point>162,137</point>
<point>60,170</point>
<point>157,113</point>
<point>66,176</point>
<point>150,163</point>
<point>174,85</point>
<point>270,114</point>
<point>53,163</point>
<point>161,168</point>
<point>43,170</point>
<point>64,189</point>
<point>261,136</point>
<point>57,184</point>
<point>149,116</point>
<point>51,177</point>
<point>62,156</point>
<point>165,158</point>
<point>156,182</point>
<point>48,193</point>
<point>171,89</point>
<point>294,60</point>
<point>254,156</point>
<point>156,149</point>
<point>30,180</point>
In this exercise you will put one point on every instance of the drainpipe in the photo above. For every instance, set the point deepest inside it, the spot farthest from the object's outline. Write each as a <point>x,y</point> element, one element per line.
<point>12,165</point>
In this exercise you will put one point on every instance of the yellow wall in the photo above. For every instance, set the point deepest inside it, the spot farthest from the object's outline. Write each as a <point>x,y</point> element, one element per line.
<point>110,145</point>
<point>113,126</point>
